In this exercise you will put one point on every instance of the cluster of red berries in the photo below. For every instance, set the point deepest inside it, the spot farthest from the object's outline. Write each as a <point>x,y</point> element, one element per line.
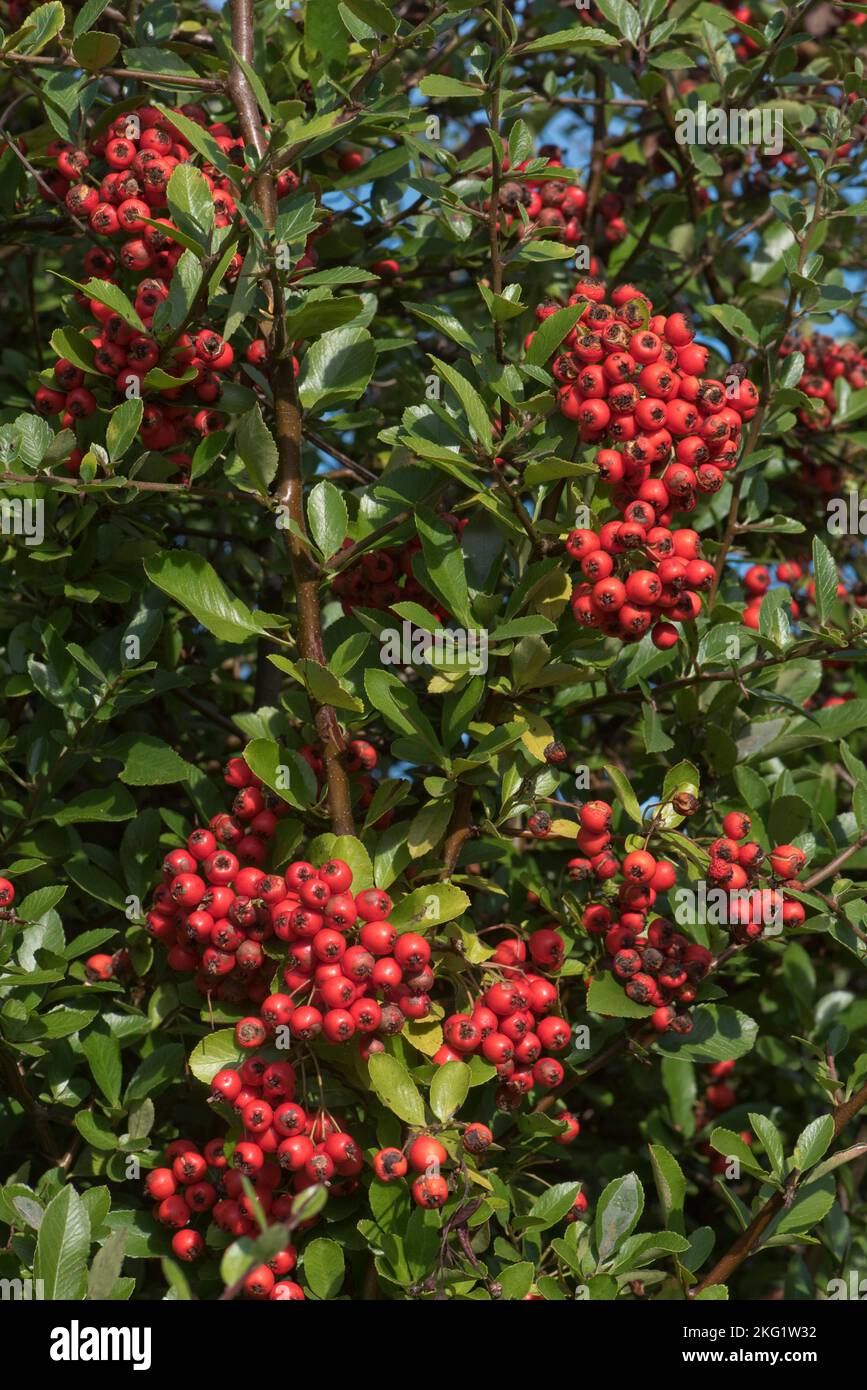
<point>216,907</point>
<point>554,202</point>
<point>212,908</point>
<point>632,379</point>
<point>118,186</point>
<point>825,360</point>
<point>200,1182</point>
<point>425,1155</point>
<point>380,578</point>
<point>315,913</point>
<point>511,1025</point>
<point>656,964</point>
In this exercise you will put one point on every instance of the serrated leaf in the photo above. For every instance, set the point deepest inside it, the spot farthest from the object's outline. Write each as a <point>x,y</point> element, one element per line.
<point>449,1089</point>
<point>395,1088</point>
<point>62,1247</point>
<point>255,446</point>
<point>327,517</point>
<point>813,1142</point>
<point>193,583</point>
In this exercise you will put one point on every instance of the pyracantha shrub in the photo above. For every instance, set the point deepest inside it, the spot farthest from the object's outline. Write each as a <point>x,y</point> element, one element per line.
<point>433,771</point>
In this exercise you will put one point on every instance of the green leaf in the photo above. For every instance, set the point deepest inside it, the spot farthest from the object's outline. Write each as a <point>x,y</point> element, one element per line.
<point>810,1206</point>
<point>100,804</point>
<point>670,1185</point>
<point>87,16</point>
<point>297,784</point>
<point>577,37</point>
<point>248,1251</point>
<point>70,343</point>
<point>825,578</point>
<point>123,426</point>
<point>62,1247</point>
<point>399,707</point>
<point>428,826</point>
<point>439,86</point>
<point>736,321</point>
<point>606,996</point>
<point>774,624</point>
<point>103,1055</point>
<point>477,413</point>
<point>337,368</point>
<point>813,1142</point>
<point>625,795</point>
<point>771,1141</point>
<point>624,17</point>
<point>719,1033</point>
<point>200,139</point>
<point>726,1142</point>
<point>110,295</point>
<point>325,688</point>
<point>327,517</point>
<point>444,562</point>
<point>257,86</point>
<point>551,332</point>
<point>324,1267</point>
<point>183,289</point>
<point>395,1088</point>
<point>254,444</point>
<point>449,1088</point>
<point>552,1205</point>
<point>215,1051</point>
<point>95,50</point>
<point>429,907</point>
<point>617,1213</point>
<point>191,202</point>
<point>96,1130</point>
<point>148,761</point>
<point>39,28</point>
<point>188,578</point>
<point>321,313</point>
<point>376,15</point>
<point>158,1069</point>
<point>516,1279</point>
<point>106,1267</point>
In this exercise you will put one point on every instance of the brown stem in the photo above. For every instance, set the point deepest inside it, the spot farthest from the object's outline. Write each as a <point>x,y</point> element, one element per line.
<point>132,484</point>
<point>748,1239</point>
<point>834,864</point>
<point>40,60</point>
<point>289,485</point>
<point>18,1088</point>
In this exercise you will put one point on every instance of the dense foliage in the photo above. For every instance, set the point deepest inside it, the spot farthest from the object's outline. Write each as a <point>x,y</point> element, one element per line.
<point>434,755</point>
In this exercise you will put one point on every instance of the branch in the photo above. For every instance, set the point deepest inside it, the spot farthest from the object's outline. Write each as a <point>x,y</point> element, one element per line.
<point>289,486</point>
<point>40,60</point>
<point>748,1239</point>
<point>837,862</point>
<point>111,484</point>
